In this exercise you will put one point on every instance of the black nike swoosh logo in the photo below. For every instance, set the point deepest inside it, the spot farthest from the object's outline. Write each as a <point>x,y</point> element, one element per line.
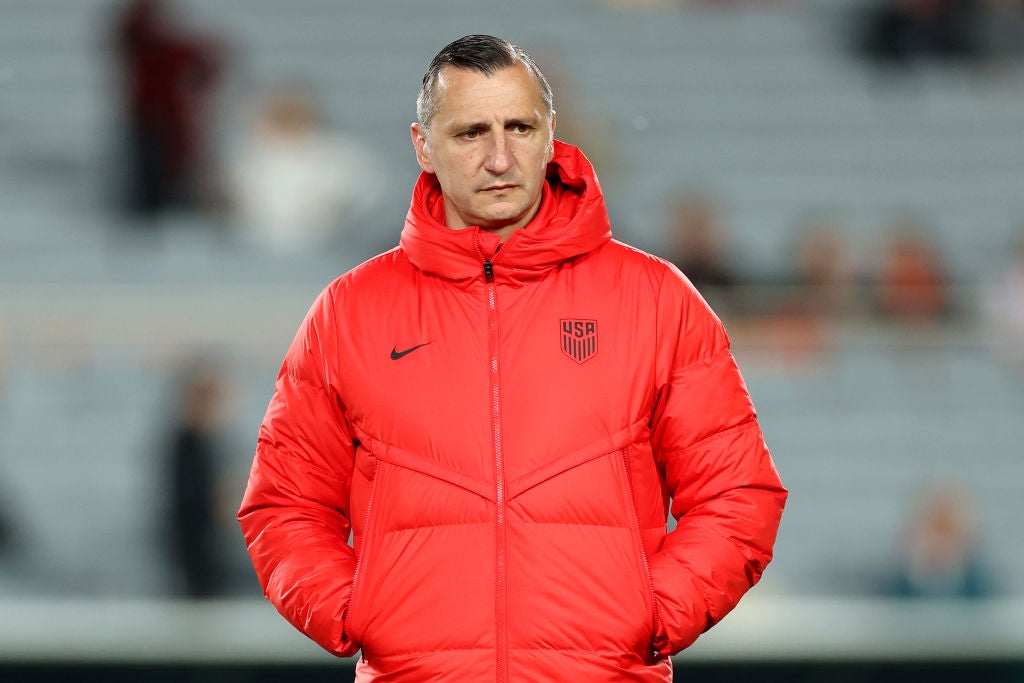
<point>396,354</point>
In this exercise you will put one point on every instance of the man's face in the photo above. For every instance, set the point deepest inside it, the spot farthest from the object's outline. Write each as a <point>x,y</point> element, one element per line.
<point>489,144</point>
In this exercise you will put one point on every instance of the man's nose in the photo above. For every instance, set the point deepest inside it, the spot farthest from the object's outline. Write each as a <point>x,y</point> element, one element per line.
<point>499,156</point>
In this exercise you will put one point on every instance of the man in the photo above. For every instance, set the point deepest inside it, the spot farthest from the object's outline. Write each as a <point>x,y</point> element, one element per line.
<point>503,409</point>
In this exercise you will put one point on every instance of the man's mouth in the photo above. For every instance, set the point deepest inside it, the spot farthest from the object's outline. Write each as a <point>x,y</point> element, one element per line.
<point>498,188</point>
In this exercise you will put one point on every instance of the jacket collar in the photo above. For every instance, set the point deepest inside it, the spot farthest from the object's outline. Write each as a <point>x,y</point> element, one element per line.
<point>572,220</point>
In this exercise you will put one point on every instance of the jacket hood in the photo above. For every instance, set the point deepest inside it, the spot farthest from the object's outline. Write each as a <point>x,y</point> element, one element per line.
<point>572,220</point>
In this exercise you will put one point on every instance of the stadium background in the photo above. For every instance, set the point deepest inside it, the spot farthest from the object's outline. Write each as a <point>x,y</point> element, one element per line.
<point>762,105</point>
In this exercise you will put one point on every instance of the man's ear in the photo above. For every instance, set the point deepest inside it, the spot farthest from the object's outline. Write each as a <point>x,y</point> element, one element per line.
<point>551,145</point>
<point>419,143</point>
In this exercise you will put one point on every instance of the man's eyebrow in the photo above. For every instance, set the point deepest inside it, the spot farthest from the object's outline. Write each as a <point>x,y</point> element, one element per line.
<point>461,126</point>
<point>522,121</point>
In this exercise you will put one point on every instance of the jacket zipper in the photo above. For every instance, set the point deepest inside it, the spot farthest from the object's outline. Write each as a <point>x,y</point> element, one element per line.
<point>643,553</point>
<point>501,598</point>
<point>364,551</point>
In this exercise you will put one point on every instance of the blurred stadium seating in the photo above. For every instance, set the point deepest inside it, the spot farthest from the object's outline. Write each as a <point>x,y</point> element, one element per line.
<point>762,104</point>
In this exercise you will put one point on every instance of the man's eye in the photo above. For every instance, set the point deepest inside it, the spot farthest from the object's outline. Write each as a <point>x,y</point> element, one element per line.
<point>521,128</point>
<point>471,134</point>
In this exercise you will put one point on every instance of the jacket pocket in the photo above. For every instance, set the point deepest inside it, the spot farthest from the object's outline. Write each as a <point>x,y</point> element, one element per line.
<point>353,627</point>
<point>629,494</point>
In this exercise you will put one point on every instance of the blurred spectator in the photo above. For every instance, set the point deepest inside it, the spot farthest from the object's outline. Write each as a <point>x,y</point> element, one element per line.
<point>6,518</point>
<point>793,316</point>
<point>6,527</point>
<point>912,284</point>
<point>167,76</point>
<point>293,184</point>
<point>900,32</point>
<point>193,459</point>
<point>940,555</point>
<point>1001,31</point>
<point>698,244</point>
<point>822,276</point>
<point>3,366</point>
<point>1004,307</point>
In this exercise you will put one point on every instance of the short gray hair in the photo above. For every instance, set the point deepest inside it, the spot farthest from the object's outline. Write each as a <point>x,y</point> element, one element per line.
<point>483,53</point>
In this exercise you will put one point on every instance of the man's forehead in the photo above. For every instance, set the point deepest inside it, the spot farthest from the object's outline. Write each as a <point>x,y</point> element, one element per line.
<point>458,88</point>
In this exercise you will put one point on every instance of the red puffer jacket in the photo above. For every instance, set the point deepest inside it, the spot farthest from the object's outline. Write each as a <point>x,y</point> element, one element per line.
<point>504,428</point>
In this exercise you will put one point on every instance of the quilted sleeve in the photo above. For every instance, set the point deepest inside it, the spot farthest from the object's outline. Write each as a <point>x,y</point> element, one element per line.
<point>294,513</point>
<point>726,494</point>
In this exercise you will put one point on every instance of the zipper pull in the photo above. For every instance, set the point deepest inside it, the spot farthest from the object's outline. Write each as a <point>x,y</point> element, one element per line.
<point>488,271</point>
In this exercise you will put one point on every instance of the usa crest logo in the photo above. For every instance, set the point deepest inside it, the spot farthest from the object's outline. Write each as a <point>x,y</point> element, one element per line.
<point>579,339</point>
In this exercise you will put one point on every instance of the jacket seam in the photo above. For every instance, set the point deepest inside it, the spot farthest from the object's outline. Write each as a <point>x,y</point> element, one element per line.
<point>302,380</point>
<point>746,424</point>
<point>658,323</point>
<point>738,546</point>
<point>703,359</point>
<point>582,524</point>
<point>420,653</point>
<point>442,525</point>
<point>318,386</point>
<point>302,462</point>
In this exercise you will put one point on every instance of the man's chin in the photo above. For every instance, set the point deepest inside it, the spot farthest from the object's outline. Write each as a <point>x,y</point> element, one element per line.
<point>495,220</point>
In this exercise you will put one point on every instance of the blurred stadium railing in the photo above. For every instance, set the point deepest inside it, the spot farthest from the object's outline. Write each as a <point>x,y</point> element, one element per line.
<point>778,638</point>
<point>761,102</point>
